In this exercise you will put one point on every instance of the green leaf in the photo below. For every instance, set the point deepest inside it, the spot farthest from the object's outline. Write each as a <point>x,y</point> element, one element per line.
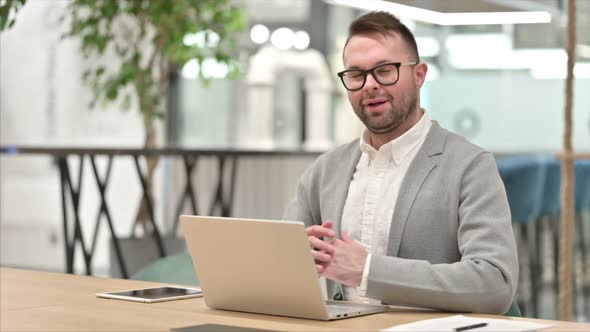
<point>126,103</point>
<point>86,75</point>
<point>160,115</point>
<point>112,90</point>
<point>99,71</point>
<point>8,8</point>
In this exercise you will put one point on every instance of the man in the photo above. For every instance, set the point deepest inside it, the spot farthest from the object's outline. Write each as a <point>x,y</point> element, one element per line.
<point>409,214</point>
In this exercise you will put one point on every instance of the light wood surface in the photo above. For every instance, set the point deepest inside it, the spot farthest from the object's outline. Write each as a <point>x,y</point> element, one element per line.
<point>43,301</point>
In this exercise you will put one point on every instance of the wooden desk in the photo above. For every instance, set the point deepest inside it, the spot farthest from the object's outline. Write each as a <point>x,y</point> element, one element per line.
<point>42,301</point>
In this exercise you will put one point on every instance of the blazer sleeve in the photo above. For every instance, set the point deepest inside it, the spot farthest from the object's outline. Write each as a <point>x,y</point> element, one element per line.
<point>485,278</point>
<point>300,206</point>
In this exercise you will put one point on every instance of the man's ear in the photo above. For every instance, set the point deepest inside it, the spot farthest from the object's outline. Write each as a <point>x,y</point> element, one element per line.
<point>420,73</point>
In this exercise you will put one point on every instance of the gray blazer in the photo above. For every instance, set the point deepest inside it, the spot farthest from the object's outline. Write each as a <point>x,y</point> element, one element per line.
<point>451,245</point>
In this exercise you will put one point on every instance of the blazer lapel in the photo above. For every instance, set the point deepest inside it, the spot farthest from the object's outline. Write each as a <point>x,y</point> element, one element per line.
<point>342,184</point>
<point>339,190</point>
<point>419,170</point>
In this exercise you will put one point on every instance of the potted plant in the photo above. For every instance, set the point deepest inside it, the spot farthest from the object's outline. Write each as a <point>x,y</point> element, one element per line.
<point>148,38</point>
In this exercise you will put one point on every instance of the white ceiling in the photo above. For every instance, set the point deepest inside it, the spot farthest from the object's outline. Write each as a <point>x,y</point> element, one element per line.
<point>551,35</point>
<point>284,11</point>
<point>533,35</point>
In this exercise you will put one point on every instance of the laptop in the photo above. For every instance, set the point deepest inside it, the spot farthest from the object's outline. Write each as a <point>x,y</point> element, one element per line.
<point>261,266</point>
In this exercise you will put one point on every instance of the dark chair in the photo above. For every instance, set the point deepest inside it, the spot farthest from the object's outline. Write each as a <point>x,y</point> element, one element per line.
<point>514,310</point>
<point>582,173</point>
<point>551,208</point>
<point>524,180</point>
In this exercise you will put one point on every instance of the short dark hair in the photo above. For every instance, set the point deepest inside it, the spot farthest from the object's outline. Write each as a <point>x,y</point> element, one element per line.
<point>383,23</point>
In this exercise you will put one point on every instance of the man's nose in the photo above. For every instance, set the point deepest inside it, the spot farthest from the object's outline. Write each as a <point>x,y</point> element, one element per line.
<point>371,83</point>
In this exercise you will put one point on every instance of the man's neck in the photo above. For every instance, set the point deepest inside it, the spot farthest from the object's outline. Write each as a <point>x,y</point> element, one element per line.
<point>378,140</point>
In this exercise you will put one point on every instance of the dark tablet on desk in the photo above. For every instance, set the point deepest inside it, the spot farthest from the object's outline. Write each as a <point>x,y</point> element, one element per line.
<point>150,295</point>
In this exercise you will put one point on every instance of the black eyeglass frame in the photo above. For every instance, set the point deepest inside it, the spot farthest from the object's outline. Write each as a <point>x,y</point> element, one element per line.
<point>372,71</point>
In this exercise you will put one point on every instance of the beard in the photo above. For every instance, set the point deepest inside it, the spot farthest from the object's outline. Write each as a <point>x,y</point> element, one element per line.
<point>391,118</point>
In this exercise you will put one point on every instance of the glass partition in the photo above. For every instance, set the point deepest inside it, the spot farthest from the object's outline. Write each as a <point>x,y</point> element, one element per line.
<point>500,85</point>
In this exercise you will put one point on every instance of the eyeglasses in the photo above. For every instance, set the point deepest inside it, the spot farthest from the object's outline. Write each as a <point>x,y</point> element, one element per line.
<point>385,74</point>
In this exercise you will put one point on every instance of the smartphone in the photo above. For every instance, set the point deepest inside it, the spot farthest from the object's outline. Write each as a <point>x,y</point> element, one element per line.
<point>151,295</point>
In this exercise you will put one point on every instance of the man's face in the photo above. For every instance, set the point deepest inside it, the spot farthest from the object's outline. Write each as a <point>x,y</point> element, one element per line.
<point>383,109</point>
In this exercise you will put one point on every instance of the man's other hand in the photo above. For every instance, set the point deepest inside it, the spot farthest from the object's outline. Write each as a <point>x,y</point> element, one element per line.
<point>320,249</point>
<point>347,263</point>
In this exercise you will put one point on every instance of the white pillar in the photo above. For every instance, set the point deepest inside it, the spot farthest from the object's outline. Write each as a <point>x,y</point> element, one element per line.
<point>264,67</point>
<point>318,120</point>
<point>259,118</point>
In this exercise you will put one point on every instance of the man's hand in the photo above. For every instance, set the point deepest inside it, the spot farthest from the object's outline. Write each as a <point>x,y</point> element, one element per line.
<point>347,263</point>
<point>320,249</point>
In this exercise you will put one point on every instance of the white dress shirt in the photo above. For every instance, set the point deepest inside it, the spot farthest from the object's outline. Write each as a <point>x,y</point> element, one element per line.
<point>373,192</point>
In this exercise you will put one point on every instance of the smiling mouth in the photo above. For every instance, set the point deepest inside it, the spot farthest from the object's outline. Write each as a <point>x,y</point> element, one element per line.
<point>375,104</point>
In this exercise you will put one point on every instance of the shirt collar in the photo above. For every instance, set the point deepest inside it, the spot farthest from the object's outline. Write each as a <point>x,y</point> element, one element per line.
<point>401,146</point>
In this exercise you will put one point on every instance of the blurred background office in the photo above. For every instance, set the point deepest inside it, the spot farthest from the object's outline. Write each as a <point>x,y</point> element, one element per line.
<point>496,78</point>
